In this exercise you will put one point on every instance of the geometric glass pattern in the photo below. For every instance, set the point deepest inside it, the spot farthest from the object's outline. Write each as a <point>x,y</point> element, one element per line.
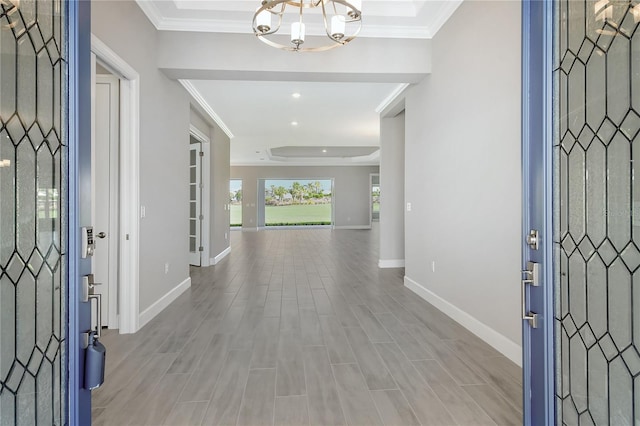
<point>33,158</point>
<point>597,223</point>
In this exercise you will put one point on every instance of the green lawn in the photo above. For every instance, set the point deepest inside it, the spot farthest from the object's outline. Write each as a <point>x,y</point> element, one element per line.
<point>236,214</point>
<point>312,214</point>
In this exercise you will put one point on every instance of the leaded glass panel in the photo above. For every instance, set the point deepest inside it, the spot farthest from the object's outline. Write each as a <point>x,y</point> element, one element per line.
<point>33,378</point>
<point>597,118</point>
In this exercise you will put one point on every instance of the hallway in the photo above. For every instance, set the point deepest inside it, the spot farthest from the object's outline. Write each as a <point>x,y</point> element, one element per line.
<point>301,327</point>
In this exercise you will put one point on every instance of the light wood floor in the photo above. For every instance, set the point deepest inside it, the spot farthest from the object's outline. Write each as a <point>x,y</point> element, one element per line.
<point>300,327</point>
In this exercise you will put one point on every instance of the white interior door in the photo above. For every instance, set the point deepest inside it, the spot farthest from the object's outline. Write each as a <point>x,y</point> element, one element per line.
<point>105,196</point>
<point>195,202</point>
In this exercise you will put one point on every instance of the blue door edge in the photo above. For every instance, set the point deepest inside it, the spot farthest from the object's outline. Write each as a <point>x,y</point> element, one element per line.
<point>79,149</point>
<point>537,122</point>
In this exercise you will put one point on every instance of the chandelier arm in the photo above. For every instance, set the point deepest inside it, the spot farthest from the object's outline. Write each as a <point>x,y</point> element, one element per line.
<point>283,6</point>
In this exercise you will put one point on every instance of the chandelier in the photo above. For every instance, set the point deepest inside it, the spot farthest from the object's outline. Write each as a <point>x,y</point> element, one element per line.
<point>340,20</point>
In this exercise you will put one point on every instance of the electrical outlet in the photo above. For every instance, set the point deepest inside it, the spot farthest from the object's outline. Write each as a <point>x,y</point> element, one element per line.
<point>166,268</point>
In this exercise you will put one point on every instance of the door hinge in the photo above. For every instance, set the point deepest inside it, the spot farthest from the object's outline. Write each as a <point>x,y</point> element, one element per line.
<point>200,248</point>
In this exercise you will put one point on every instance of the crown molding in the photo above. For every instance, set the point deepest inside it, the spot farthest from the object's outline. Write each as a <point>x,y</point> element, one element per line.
<point>151,10</point>
<point>448,8</point>
<point>163,23</point>
<point>392,97</point>
<point>372,159</point>
<point>203,103</point>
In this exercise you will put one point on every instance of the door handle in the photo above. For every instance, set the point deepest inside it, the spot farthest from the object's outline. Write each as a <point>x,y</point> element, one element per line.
<point>98,299</point>
<point>532,277</point>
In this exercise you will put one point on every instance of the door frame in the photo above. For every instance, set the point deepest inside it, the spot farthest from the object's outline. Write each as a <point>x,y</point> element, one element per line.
<point>129,260</point>
<point>205,176</point>
<point>537,134</point>
<point>110,317</point>
<point>78,204</point>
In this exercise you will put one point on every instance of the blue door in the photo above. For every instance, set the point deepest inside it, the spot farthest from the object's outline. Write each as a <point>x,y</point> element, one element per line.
<point>581,125</point>
<point>79,205</point>
<point>44,137</point>
<point>537,152</point>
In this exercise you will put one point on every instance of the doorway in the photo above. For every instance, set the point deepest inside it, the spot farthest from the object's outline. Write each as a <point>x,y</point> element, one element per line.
<point>375,197</point>
<point>129,212</point>
<point>199,196</point>
<point>195,201</point>
<point>105,201</point>
<point>235,203</point>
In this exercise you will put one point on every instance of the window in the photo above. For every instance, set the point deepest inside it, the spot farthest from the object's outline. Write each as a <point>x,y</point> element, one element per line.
<point>235,202</point>
<point>298,202</point>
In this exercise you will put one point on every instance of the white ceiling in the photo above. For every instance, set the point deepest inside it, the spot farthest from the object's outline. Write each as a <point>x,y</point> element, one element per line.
<point>380,18</point>
<point>259,113</point>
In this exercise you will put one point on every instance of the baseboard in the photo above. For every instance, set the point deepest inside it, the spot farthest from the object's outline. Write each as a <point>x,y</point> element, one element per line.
<point>222,255</point>
<point>502,344</point>
<point>153,310</point>
<point>352,227</point>
<point>391,263</point>
<point>289,227</point>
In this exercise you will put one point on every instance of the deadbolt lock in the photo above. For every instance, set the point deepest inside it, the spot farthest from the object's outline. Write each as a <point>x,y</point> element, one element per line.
<point>533,239</point>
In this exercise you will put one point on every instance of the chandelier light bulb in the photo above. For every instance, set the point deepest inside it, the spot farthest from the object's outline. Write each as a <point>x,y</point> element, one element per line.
<point>297,33</point>
<point>337,27</point>
<point>263,21</point>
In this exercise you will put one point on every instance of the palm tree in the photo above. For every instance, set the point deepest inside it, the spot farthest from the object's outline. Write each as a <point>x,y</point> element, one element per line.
<point>296,191</point>
<point>279,192</point>
<point>310,188</point>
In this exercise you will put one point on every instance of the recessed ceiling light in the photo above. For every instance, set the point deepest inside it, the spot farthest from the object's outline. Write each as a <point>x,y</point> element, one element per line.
<point>324,150</point>
<point>294,123</point>
<point>296,95</point>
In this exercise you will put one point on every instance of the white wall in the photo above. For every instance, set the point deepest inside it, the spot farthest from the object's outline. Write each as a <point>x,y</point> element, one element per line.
<point>164,132</point>
<point>463,173</point>
<point>351,190</point>
<point>220,174</point>
<point>218,56</point>
<point>392,173</point>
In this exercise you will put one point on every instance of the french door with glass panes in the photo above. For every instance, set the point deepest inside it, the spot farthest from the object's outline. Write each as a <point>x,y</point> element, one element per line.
<point>195,202</point>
